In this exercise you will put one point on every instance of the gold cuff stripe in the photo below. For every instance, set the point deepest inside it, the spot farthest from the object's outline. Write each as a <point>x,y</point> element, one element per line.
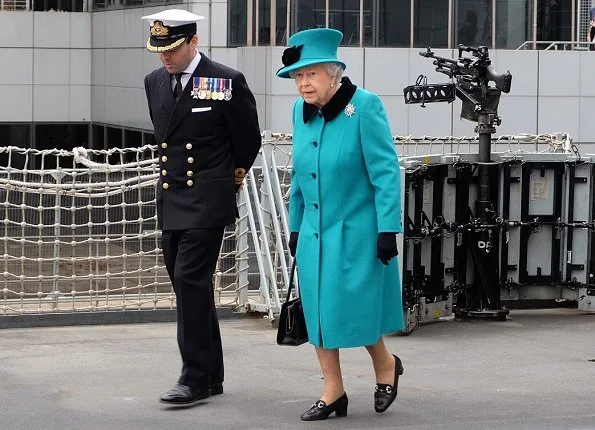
<point>165,48</point>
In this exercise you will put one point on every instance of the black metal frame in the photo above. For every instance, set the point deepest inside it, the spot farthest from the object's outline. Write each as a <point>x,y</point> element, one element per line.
<point>553,219</point>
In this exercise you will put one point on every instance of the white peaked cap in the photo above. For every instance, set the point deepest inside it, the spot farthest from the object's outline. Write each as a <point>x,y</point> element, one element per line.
<point>173,17</point>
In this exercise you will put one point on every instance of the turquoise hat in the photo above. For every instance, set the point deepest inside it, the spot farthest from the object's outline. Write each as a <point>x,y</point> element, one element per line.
<point>308,47</point>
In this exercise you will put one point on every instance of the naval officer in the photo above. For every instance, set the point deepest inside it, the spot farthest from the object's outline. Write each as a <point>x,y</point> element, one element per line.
<point>206,128</point>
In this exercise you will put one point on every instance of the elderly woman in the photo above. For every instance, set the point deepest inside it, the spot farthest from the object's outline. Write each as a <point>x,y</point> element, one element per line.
<point>345,212</point>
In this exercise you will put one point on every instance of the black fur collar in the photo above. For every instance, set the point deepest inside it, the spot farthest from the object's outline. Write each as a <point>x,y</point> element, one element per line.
<point>335,105</point>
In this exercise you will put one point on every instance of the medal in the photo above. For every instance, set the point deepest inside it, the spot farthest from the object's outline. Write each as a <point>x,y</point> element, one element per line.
<point>208,89</point>
<point>215,94</point>
<point>195,87</point>
<point>202,94</point>
<point>220,88</point>
<point>227,96</point>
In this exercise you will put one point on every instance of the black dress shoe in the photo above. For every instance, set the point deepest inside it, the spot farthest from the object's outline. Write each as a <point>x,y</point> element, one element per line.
<point>183,395</point>
<point>321,411</point>
<point>216,389</point>
<point>385,394</point>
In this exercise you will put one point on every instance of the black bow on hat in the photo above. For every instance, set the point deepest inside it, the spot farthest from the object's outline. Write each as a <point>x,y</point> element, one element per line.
<point>291,55</point>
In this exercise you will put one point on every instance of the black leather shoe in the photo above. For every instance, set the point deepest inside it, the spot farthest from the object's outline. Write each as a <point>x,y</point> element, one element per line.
<point>385,394</point>
<point>215,390</point>
<point>183,395</point>
<point>321,411</point>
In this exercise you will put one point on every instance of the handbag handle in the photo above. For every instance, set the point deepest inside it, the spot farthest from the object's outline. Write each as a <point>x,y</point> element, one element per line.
<point>290,281</point>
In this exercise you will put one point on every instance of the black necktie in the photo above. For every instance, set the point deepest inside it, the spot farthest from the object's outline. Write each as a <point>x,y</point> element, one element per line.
<point>178,87</point>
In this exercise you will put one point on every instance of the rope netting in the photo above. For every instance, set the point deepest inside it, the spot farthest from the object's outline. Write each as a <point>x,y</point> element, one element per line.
<point>79,228</point>
<point>79,233</point>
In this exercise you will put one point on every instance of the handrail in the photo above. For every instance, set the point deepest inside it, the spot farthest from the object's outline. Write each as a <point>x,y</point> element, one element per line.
<point>27,5</point>
<point>8,5</point>
<point>554,45</point>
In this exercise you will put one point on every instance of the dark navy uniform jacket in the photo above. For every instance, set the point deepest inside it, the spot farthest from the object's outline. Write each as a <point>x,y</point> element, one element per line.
<point>203,154</point>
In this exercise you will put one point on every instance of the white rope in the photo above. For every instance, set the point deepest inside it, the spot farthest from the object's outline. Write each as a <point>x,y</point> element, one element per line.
<point>81,156</point>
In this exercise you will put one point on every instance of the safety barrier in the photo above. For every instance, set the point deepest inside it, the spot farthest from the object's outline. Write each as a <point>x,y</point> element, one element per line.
<point>79,228</point>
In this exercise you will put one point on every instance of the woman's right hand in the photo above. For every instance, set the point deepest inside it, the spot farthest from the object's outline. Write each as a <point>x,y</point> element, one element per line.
<point>293,240</point>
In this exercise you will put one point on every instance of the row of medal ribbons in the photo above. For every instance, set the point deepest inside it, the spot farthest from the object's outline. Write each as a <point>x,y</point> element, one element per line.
<point>211,88</point>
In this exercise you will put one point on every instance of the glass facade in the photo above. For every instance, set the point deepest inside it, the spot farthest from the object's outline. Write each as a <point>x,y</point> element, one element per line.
<point>121,4</point>
<point>513,23</point>
<point>431,23</point>
<point>473,22</point>
<point>406,23</point>
<point>59,5</point>
<point>392,23</point>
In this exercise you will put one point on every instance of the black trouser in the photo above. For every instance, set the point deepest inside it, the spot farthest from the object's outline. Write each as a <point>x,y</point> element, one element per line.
<point>190,257</point>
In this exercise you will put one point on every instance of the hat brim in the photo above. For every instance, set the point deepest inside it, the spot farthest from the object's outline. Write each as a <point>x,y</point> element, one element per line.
<point>164,45</point>
<point>305,62</point>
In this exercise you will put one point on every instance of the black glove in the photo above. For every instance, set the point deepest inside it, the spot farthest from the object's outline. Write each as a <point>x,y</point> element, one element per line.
<point>386,247</point>
<point>293,239</point>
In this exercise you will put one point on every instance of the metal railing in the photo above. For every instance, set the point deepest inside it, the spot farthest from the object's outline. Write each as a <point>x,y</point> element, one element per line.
<point>558,45</point>
<point>8,5</point>
<point>59,6</point>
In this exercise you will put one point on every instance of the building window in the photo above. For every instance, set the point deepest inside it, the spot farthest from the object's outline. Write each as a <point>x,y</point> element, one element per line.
<point>237,14</point>
<point>59,5</point>
<point>306,14</point>
<point>513,23</point>
<point>431,23</point>
<point>148,139</point>
<point>14,135</point>
<point>554,20</point>
<point>61,136</point>
<point>122,4</point>
<point>392,23</point>
<point>98,140</point>
<point>114,138</point>
<point>473,22</point>
<point>281,25</point>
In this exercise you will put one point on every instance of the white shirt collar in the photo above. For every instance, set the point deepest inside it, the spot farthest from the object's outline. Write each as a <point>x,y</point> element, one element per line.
<point>187,72</point>
<point>193,64</point>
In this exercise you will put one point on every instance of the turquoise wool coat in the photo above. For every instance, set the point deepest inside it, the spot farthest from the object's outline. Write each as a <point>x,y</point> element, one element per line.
<point>345,190</point>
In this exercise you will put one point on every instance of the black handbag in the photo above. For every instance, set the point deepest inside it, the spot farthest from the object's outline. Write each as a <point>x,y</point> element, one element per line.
<point>292,324</point>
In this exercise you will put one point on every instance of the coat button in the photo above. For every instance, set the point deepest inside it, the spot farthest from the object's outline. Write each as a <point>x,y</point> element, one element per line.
<point>188,146</point>
<point>189,182</point>
<point>165,185</point>
<point>164,145</point>
<point>314,175</point>
<point>316,235</point>
<point>315,205</point>
<point>315,144</point>
<point>189,173</point>
<point>190,160</point>
<point>164,172</point>
<point>164,158</point>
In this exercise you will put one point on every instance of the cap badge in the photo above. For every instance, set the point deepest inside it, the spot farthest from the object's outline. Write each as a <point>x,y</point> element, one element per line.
<point>158,29</point>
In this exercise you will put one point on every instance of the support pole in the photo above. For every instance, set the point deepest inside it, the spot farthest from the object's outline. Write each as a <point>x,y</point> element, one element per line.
<point>483,300</point>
